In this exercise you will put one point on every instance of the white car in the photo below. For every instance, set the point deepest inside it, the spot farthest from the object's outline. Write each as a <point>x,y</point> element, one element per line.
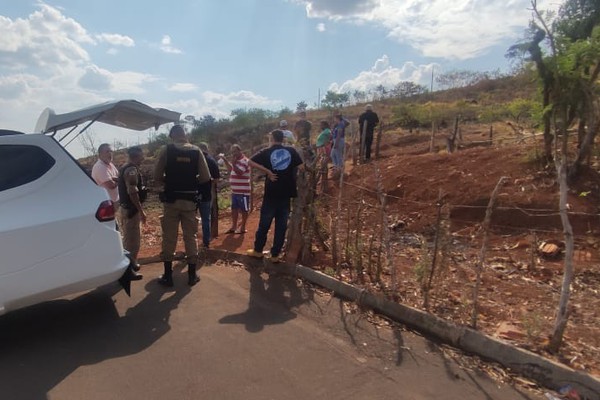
<point>57,227</point>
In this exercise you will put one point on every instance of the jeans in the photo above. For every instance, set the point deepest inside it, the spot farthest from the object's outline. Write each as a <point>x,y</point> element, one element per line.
<point>278,209</point>
<point>368,144</point>
<point>337,153</point>
<point>205,210</point>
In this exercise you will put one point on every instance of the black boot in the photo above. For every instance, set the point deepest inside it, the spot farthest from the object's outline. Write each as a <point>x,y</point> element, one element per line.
<point>192,275</point>
<point>166,279</point>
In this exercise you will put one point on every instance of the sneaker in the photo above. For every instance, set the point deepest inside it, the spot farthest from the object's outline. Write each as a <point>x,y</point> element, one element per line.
<point>166,281</point>
<point>255,254</point>
<point>276,259</point>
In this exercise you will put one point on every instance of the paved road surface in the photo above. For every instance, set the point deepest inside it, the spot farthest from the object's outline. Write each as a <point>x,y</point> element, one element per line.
<point>236,335</point>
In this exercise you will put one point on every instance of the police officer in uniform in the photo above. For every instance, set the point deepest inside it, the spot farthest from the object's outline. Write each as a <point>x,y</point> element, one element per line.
<point>132,193</point>
<point>180,167</point>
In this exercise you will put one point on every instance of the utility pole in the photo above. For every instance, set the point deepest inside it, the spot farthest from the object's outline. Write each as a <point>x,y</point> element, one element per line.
<point>431,87</point>
<point>319,100</point>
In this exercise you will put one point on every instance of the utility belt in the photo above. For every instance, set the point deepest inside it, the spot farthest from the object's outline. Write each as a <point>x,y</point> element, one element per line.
<point>170,197</point>
<point>130,209</point>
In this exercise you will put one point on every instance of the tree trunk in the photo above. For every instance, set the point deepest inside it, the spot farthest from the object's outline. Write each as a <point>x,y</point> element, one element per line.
<point>548,137</point>
<point>585,146</point>
<point>562,313</point>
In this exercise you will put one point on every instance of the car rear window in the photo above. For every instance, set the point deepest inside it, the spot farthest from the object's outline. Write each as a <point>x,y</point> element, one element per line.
<point>21,164</point>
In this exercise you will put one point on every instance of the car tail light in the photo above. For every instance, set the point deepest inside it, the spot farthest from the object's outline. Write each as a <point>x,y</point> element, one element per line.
<point>106,211</point>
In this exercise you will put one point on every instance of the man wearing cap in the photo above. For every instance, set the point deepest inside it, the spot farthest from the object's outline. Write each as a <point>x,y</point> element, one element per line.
<point>132,193</point>
<point>279,163</point>
<point>181,166</point>
<point>367,122</point>
<point>288,136</point>
<point>302,129</point>
<point>205,196</point>
<point>338,143</point>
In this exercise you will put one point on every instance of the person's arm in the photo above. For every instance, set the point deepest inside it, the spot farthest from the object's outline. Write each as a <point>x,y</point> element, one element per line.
<point>270,174</point>
<point>238,170</point>
<point>227,163</point>
<point>203,172</point>
<point>131,181</point>
<point>297,161</point>
<point>103,178</point>
<point>159,168</point>
<point>110,184</point>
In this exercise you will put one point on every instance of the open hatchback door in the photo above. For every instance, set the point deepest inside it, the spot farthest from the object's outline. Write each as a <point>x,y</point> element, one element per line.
<point>130,114</point>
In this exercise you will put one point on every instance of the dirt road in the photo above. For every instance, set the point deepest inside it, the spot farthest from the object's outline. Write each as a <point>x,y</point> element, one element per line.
<point>237,335</point>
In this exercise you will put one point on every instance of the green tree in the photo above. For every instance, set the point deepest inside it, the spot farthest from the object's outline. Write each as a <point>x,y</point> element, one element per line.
<point>301,106</point>
<point>251,117</point>
<point>335,100</point>
<point>459,78</point>
<point>284,111</point>
<point>566,54</point>
<point>406,89</point>
<point>568,74</point>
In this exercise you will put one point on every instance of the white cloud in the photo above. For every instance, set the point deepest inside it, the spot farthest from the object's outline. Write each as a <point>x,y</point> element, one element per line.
<point>115,39</point>
<point>338,8</point>
<point>130,82</point>
<point>165,46</point>
<point>183,87</point>
<point>220,105</point>
<point>46,39</point>
<point>458,29</point>
<point>237,99</point>
<point>95,78</point>
<point>118,83</point>
<point>14,87</point>
<point>321,27</point>
<point>383,73</point>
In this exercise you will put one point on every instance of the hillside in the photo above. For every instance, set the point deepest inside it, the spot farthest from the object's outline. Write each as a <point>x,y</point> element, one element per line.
<point>520,284</point>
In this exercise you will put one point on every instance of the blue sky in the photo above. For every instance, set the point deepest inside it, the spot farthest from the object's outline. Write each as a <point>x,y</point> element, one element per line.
<point>203,57</point>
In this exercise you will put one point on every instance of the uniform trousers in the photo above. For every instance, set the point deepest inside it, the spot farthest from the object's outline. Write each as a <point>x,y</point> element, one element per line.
<point>179,212</point>
<point>131,232</point>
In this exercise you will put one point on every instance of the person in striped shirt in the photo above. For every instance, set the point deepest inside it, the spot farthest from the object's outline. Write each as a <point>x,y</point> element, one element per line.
<point>239,180</point>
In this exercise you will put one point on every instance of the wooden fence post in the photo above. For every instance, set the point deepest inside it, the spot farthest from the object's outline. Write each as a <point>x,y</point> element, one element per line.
<point>432,136</point>
<point>378,141</point>
<point>451,141</point>
<point>436,241</point>
<point>486,227</point>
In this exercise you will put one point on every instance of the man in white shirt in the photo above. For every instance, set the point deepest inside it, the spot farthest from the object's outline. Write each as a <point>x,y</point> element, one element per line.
<point>106,174</point>
<point>288,136</point>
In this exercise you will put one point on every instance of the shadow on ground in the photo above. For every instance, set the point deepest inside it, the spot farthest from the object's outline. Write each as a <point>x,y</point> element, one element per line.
<point>271,300</point>
<point>41,345</point>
